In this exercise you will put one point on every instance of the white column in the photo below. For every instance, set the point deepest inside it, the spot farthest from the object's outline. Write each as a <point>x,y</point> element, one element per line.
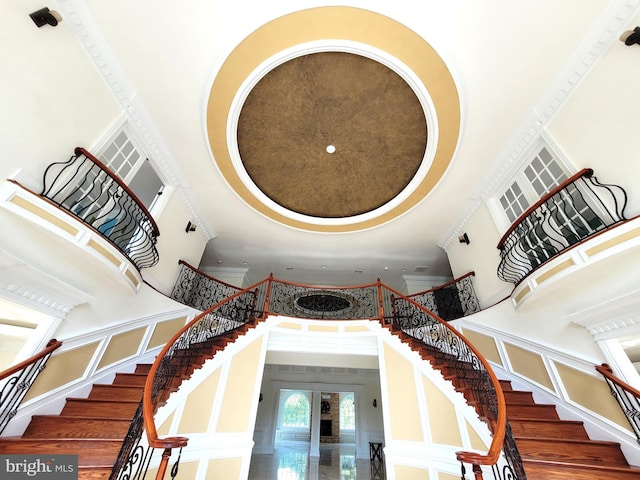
<point>314,448</point>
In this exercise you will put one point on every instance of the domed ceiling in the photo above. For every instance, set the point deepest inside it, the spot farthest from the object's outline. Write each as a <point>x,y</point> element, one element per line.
<point>331,135</point>
<point>319,123</point>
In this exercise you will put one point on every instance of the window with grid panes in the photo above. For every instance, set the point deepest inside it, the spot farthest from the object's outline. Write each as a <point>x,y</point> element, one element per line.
<point>121,156</point>
<point>540,176</point>
<point>128,161</point>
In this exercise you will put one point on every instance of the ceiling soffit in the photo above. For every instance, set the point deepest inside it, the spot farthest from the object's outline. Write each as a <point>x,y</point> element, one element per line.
<point>404,175</point>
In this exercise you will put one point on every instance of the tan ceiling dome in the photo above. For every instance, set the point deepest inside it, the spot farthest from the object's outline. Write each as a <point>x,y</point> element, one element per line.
<point>333,119</point>
<point>331,134</point>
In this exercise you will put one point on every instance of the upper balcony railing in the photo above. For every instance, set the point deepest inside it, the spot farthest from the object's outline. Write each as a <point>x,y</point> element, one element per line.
<point>455,299</point>
<point>87,189</point>
<point>572,212</point>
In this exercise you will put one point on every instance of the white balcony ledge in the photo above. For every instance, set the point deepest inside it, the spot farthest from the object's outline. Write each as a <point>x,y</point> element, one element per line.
<point>38,210</point>
<point>620,238</point>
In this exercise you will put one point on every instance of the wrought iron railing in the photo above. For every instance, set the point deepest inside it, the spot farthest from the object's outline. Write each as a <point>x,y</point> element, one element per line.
<point>199,340</point>
<point>187,350</point>
<point>450,352</point>
<point>304,301</point>
<point>87,189</point>
<point>455,299</point>
<point>199,290</point>
<point>16,381</point>
<point>572,212</point>
<point>627,397</point>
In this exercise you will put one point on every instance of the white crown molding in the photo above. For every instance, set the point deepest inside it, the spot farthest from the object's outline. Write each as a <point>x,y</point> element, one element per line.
<point>602,37</point>
<point>28,286</point>
<point>611,319</point>
<point>84,27</point>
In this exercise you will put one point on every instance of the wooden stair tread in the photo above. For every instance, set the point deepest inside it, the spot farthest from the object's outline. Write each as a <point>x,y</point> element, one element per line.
<point>547,428</point>
<point>550,470</point>
<point>94,473</point>
<point>91,451</point>
<point>48,426</point>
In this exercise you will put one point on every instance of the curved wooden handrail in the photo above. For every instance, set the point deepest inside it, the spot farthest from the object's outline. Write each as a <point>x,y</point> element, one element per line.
<point>107,170</point>
<point>148,408</point>
<point>500,425</point>
<point>52,345</point>
<point>451,282</point>
<point>325,287</point>
<point>606,371</point>
<point>585,172</point>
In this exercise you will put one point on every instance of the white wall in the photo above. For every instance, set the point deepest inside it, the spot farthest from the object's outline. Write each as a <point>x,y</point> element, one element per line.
<point>596,127</point>
<point>53,99</point>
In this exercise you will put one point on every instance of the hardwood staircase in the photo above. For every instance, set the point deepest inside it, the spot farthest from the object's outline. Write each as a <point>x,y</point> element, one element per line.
<point>560,449</point>
<point>94,428</point>
<point>550,448</point>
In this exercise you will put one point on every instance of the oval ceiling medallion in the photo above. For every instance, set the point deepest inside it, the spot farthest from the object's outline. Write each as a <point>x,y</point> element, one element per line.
<point>337,128</point>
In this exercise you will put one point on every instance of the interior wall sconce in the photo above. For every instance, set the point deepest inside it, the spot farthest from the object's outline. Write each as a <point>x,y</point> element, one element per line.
<point>374,403</point>
<point>44,16</point>
<point>191,227</point>
<point>260,398</point>
<point>631,37</point>
<point>464,238</point>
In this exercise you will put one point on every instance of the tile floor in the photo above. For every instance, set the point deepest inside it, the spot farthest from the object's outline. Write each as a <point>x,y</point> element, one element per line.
<point>292,462</point>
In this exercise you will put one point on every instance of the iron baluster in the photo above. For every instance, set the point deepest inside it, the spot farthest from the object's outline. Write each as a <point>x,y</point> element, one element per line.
<point>87,189</point>
<point>575,210</point>
<point>17,380</point>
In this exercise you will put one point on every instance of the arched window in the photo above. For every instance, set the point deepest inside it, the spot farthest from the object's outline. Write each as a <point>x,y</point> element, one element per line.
<point>347,412</point>
<point>296,411</point>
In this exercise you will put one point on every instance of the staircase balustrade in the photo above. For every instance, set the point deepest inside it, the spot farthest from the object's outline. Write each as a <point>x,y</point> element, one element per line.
<point>86,188</point>
<point>210,331</point>
<point>17,380</point>
<point>627,397</point>
<point>572,212</point>
<point>304,301</point>
<point>452,300</point>
<point>459,361</point>
<point>199,290</point>
<point>186,351</point>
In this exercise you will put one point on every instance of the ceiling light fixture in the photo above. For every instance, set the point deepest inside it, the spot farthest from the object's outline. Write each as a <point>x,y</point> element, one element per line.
<point>331,148</point>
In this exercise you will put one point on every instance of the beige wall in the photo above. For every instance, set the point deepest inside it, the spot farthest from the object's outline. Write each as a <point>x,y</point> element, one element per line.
<point>571,380</point>
<point>216,409</point>
<point>425,415</point>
